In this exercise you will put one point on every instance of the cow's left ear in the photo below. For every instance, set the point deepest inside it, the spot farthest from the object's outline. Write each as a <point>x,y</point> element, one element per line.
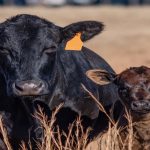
<point>88,29</point>
<point>101,77</point>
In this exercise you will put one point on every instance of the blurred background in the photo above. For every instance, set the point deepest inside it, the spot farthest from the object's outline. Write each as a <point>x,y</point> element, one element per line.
<point>125,41</point>
<point>73,2</point>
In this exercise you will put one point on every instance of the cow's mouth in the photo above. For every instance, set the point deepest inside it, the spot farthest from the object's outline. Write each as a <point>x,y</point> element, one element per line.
<point>142,106</point>
<point>33,98</point>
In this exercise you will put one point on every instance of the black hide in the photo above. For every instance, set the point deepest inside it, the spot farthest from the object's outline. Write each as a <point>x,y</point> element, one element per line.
<point>32,51</point>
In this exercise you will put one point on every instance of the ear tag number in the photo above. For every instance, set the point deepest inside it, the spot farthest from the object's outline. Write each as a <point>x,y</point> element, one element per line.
<point>75,43</point>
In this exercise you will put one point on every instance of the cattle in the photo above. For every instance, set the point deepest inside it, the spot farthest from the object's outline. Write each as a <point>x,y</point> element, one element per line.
<point>34,66</point>
<point>134,91</point>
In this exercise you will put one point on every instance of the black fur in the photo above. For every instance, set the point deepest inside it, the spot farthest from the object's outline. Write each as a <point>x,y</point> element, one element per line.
<point>32,48</point>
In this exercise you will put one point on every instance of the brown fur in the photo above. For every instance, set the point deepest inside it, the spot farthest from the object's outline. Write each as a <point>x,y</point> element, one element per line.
<point>134,90</point>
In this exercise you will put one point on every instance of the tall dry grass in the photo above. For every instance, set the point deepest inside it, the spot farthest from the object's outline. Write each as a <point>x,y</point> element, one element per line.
<point>110,139</point>
<point>52,135</point>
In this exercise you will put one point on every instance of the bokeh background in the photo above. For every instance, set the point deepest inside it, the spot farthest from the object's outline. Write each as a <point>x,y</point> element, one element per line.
<point>125,41</point>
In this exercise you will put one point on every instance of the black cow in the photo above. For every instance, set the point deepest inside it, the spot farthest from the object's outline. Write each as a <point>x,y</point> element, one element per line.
<point>35,66</point>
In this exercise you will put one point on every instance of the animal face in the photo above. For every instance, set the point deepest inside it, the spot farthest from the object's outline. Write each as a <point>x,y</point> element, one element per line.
<point>29,47</point>
<point>27,54</point>
<point>133,86</point>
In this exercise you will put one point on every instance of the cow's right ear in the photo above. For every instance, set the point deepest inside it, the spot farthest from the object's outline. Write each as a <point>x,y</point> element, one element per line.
<point>87,29</point>
<point>101,77</point>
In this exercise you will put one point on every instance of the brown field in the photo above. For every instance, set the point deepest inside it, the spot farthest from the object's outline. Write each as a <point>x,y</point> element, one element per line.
<point>125,41</point>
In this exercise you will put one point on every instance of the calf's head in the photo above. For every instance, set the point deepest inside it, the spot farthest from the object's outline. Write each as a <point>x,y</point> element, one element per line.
<point>133,86</point>
<point>29,47</point>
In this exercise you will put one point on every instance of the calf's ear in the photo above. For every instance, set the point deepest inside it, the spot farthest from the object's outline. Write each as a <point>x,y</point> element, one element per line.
<point>88,29</point>
<point>101,77</point>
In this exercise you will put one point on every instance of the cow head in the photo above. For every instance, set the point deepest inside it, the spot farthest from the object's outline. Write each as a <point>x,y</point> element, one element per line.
<point>28,51</point>
<point>133,86</point>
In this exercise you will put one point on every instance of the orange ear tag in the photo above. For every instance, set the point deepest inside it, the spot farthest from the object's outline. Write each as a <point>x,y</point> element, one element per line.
<point>75,43</point>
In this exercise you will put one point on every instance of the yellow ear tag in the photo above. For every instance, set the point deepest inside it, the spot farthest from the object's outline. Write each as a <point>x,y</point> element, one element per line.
<point>75,43</point>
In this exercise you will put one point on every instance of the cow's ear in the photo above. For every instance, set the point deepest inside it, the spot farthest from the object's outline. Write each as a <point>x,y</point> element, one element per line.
<point>101,77</point>
<point>88,29</point>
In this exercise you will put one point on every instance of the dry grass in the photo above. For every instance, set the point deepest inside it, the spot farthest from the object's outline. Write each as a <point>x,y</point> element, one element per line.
<point>108,140</point>
<point>52,136</point>
<point>4,134</point>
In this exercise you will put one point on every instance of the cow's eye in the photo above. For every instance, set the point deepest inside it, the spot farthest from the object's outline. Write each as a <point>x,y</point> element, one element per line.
<point>4,51</point>
<point>50,50</point>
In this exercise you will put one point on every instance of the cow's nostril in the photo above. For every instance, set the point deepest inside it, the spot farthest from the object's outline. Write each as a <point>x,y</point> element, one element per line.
<point>18,87</point>
<point>134,104</point>
<point>39,85</point>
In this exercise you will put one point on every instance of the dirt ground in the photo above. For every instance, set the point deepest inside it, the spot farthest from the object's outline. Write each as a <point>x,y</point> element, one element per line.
<point>125,41</point>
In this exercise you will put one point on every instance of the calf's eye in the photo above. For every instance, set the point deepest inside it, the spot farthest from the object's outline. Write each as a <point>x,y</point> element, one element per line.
<point>124,91</point>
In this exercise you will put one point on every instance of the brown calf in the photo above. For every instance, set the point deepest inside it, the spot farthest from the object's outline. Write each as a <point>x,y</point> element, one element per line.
<point>134,91</point>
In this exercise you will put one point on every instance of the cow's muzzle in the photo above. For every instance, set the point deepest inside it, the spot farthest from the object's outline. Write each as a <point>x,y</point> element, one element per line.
<point>30,88</point>
<point>141,105</point>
